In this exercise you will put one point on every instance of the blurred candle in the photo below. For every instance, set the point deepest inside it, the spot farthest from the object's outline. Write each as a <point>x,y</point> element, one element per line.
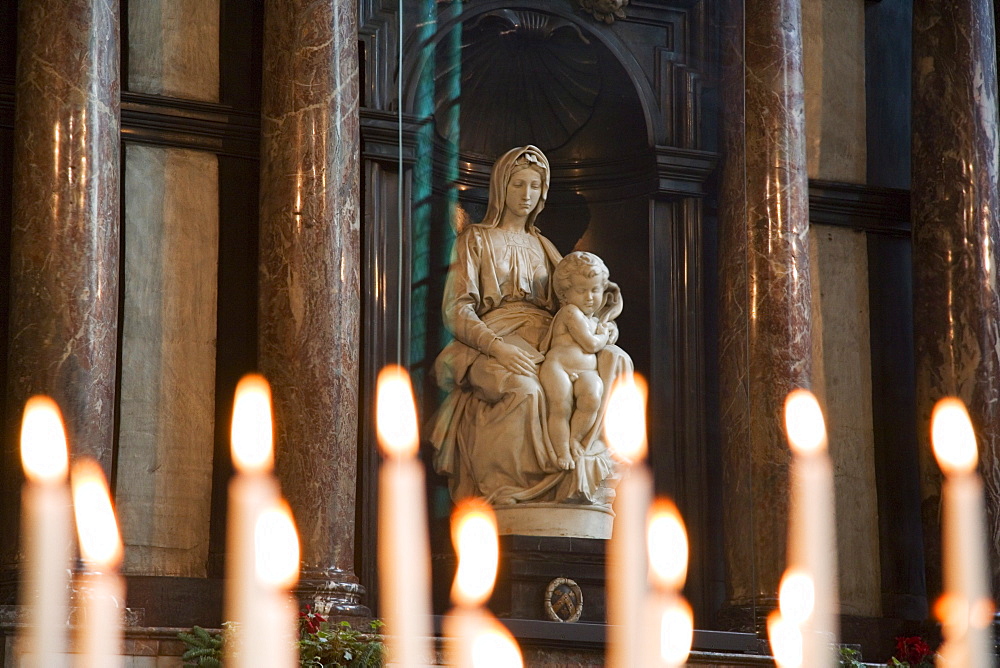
<point>668,615</point>
<point>812,543</point>
<point>101,587</point>
<point>625,431</point>
<point>967,609</point>
<point>251,490</point>
<point>469,625</point>
<point>404,548</point>
<point>270,637</point>
<point>796,601</point>
<point>45,528</point>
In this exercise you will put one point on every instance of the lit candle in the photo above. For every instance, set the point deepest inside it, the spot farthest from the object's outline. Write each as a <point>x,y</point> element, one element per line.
<point>251,490</point>
<point>812,546</point>
<point>966,610</point>
<point>404,562</point>
<point>472,629</point>
<point>45,526</point>
<point>670,619</point>
<point>796,601</point>
<point>270,637</point>
<point>102,589</point>
<point>625,430</point>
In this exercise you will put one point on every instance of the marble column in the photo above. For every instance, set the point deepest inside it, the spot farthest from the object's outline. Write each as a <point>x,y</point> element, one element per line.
<point>765,319</point>
<point>955,240</point>
<point>310,279</point>
<point>65,233</point>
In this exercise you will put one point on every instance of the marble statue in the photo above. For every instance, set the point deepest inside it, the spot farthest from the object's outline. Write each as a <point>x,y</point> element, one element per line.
<point>493,435</point>
<point>580,329</point>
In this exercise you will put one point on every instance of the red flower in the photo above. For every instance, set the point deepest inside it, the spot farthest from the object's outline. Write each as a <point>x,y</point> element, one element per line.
<point>912,650</point>
<point>311,620</point>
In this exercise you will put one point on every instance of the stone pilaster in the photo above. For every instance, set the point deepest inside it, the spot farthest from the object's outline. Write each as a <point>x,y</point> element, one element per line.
<point>166,433</point>
<point>310,279</point>
<point>765,319</point>
<point>955,237</point>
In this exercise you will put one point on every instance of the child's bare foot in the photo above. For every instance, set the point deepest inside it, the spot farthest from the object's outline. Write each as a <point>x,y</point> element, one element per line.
<point>566,463</point>
<point>575,448</point>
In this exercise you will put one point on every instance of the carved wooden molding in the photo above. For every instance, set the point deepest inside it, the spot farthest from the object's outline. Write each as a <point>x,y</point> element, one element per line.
<point>860,207</point>
<point>604,10</point>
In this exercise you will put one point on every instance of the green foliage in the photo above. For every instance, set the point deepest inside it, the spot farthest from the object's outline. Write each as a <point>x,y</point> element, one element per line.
<point>850,658</point>
<point>321,645</point>
<point>341,646</point>
<point>204,649</point>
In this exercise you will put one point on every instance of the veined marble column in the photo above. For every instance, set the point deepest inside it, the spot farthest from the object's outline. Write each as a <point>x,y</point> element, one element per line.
<point>310,279</point>
<point>955,238</point>
<point>65,235</point>
<point>765,319</point>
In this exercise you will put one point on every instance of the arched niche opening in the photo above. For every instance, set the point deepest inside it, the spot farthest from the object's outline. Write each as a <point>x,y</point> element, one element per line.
<point>494,78</point>
<point>491,80</point>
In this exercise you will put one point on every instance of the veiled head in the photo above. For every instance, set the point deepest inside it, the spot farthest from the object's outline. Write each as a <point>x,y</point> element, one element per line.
<point>511,162</point>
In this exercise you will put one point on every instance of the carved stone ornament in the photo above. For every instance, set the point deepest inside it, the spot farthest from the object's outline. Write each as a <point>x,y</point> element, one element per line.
<point>563,600</point>
<point>604,10</point>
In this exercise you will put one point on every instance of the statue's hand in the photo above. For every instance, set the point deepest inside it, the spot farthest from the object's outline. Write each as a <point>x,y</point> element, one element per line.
<point>612,329</point>
<point>514,359</point>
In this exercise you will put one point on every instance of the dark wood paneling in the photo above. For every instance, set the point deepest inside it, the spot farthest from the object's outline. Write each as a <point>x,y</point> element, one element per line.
<point>865,208</point>
<point>888,56</point>
<point>236,350</point>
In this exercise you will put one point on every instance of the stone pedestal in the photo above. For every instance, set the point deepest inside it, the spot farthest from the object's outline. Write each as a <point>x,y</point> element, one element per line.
<point>529,564</point>
<point>310,282</point>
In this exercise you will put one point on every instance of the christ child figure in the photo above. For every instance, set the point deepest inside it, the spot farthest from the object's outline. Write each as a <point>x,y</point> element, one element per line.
<point>573,387</point>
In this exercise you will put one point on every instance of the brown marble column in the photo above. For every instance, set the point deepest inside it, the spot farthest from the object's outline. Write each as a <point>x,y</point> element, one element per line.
<point>65,234</point>
<point>955,239</point>
<point>310,280</point>
<point>765,319</point>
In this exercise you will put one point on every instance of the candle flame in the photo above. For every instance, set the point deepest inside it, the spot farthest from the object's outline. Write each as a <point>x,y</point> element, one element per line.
<point>96,526</point>
<point>276,545</point>
<point>495,647</point>
<point>804,422</point>
<point>796,596</point>
<point>474,534</point>
<point>676,631</point>
<point>252,430</point>
<point>667,543</point>
<point>625,419</point>
<point>44,453</point>
<point>786,641</point>
<point>952,437</point>
<point>396,413</point>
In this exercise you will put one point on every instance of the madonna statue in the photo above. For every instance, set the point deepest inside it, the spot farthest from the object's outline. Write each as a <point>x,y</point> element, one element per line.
<point>491,435</point>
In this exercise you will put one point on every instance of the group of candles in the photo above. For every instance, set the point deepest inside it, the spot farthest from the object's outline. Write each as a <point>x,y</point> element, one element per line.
<point>262,548</point>
<point>803,631</point>
<point>650,623</point>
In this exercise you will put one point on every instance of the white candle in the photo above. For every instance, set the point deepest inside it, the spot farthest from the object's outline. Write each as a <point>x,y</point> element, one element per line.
<point>270,637</point>
<point>625,430</point>
<point>404,548</point>
<point>669,619</point>
<point>967,610</point>
<point>797,601</point>
<point>251,490</point>
<point>45,527</point>
<point>477,639</point>
<point>101,587</point>
<point>812,546</point>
